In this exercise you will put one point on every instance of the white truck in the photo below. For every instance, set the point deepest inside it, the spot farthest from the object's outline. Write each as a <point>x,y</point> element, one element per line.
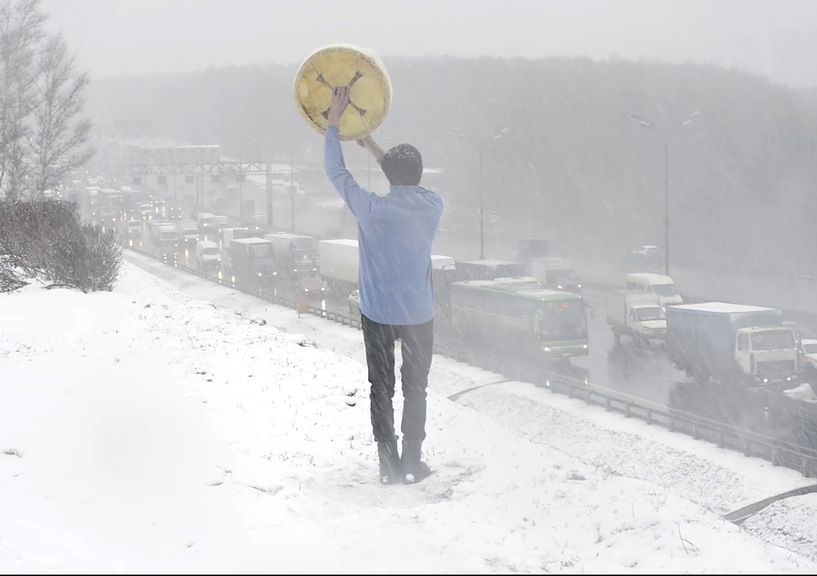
<point>556,273</point>
<point>207,257</point>
<point>165,240</point>
<point>339,265</point>
<point>732,344</point>
<point>638,316</point>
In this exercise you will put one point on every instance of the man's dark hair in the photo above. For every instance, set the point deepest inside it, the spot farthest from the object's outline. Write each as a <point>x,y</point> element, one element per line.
<point>403,165</point>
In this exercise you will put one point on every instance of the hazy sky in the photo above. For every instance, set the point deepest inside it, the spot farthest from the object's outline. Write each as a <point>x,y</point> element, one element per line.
<point>777,38</point>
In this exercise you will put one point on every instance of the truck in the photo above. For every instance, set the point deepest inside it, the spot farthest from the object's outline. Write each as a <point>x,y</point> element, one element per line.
<point>556,273</point>
<point>637,315</point>
<point>109,207</point>
<point>339,261</point>
<point>207,225</point>
<point>539,323</point>
<point>188,233</point>
<point>165,239</point>
<point>132,232</point>
<point>732,344</point>
<point>297,258</point>
<point>227,235</point>
<point>251,264</point>
<point>224,237</point>
<point>338,265</point>
<point>207,257</point>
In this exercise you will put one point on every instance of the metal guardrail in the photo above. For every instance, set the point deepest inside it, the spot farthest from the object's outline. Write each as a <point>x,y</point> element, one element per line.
<point>778,452</point>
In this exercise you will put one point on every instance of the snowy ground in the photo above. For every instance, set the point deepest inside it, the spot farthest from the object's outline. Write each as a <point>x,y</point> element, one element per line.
<point>148,430</point>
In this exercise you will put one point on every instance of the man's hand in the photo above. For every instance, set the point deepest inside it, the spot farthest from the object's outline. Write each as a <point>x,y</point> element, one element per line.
<point>369,144</point>
<point>340,100</point>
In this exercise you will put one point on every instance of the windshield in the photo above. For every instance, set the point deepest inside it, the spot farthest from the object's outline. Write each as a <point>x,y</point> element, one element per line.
<point>260,250</point>
<point>772,340</point>
<point>810,348</point>
<point>302,244</point>
<point>650,313</point>
<point>213,251</point>
<point>564,320</point>
<point>167,235</point>
<point>665,289</point>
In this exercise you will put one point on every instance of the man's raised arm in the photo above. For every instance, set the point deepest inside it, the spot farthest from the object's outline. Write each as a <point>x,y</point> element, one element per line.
<point>360,201</point>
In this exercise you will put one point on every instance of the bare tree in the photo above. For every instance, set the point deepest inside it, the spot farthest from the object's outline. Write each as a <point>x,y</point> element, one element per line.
<point>59,139</point>
<point>21,32</point>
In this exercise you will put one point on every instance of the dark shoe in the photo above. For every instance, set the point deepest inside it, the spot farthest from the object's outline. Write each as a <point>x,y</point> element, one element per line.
<point>389,462</point>
<point>413,468</point>
<point>420,472</point>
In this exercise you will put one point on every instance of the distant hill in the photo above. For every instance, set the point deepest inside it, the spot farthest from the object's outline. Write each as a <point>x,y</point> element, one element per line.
<point>573,165</point>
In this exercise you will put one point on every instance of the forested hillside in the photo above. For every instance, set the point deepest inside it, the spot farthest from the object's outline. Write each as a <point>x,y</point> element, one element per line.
<point>572,166</point>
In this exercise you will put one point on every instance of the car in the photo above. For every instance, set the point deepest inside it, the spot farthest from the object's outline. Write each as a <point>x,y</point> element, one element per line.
<point>646,256</point>
<point>647,251</point>
<point>354,303</point>
<point>808,356</point>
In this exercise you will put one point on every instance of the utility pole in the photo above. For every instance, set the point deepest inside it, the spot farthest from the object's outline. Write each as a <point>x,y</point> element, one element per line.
<point>268,187</point>
<point>480,144</point>
<point>651,126</point>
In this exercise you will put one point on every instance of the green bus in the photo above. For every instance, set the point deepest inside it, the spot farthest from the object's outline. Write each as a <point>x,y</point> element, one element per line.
<point>518,317</point>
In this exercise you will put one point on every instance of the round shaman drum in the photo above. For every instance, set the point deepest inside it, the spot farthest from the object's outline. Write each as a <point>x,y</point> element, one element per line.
<point>344,65</point>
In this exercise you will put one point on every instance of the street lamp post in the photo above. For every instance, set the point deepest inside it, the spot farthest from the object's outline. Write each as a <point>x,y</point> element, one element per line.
<point>480,144</point>
<point>651,126</point>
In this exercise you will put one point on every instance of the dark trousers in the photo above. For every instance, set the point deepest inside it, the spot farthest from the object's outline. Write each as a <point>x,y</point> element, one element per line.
<point>417,346</point>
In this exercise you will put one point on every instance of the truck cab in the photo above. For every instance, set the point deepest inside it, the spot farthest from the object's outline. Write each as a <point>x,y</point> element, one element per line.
<point>770,353</point>
<point>208,257</point>
<point>297,258</point>
<point>207,225</point>
<point>252,264</point>
<point>133,229</point>
<point>637,315</point>
<point>165,238</point>
<point>189,232</point>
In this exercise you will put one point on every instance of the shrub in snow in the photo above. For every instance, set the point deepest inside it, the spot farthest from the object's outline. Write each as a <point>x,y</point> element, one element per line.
<point>45,239</point>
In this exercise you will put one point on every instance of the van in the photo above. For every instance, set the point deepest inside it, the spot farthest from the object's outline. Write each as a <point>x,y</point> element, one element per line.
<point>662,286</point>
<point>208,257</point>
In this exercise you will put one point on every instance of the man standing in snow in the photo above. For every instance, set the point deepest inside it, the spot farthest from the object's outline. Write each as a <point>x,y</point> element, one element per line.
<point>395,234</point>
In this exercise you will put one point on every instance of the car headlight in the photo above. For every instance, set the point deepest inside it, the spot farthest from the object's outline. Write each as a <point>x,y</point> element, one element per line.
<point>259,274</point>
<point>559,286</point>
<point>547,349</point>
<point>578,285</point>
<point>584,346</point>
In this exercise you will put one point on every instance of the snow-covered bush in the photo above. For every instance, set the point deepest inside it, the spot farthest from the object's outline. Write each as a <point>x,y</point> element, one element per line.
<point>45,239</point>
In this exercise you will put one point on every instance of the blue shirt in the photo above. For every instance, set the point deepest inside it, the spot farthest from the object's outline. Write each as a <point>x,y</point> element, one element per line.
<point>395,234</point>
